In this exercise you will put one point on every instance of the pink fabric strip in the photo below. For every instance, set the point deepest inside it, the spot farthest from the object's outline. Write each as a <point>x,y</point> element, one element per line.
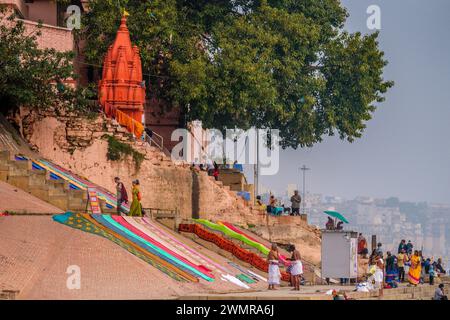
<point>146,221</point>
<point>123,222</point>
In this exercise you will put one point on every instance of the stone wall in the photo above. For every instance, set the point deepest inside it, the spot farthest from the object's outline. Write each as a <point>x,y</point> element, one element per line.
<point>76,143</point>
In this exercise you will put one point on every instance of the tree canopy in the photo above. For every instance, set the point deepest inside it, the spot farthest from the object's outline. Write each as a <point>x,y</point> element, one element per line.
<point>280,64</point>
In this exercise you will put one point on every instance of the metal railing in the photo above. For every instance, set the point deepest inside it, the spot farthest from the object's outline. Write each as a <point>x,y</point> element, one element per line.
<point>158,142</point>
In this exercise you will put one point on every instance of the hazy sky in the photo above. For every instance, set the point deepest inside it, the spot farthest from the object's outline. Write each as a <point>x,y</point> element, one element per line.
<point>405,150</point>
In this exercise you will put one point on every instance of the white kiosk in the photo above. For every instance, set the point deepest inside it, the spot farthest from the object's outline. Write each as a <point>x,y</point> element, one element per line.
<point>339,254</point>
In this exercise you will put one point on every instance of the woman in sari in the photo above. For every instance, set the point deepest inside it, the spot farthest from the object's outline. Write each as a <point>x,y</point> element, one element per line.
<point>415,270</point>
<point>391,269</point>
<point>136,207</point>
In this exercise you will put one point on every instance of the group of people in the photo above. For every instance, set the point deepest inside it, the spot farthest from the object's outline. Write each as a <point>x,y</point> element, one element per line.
<point>274,208</point>
<point>388,271</point>
<point>212,170</point>
<point>122,197</point>
<point>332,225</point>
<point>295,268</point>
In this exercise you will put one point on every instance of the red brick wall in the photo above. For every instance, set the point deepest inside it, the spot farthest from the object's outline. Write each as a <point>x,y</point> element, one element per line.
<point>162,122</point>
<point>60,39</point>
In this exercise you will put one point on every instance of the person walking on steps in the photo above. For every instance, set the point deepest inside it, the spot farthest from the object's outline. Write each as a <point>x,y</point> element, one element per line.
<point>136,207</point>
<point>121,194</point>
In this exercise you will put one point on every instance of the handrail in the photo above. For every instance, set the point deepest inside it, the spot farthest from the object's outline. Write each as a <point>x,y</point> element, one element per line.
<point>160,145</point>
<point>149,139</point>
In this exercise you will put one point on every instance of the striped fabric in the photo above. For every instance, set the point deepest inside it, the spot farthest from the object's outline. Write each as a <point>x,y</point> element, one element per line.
<point>233,232</point>
<point>203,260</point>
<point>237,230</point>
<point>133,235</point>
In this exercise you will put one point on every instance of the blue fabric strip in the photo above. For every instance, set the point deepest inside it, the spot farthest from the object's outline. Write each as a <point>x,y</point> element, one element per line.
<point>108,222</point>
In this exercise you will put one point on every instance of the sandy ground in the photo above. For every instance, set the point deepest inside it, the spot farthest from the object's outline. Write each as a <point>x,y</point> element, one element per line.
<point>36,252</point>
<point>17,200</point>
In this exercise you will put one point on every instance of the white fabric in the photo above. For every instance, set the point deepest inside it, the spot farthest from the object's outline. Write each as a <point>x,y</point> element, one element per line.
<point>297,268</point>
<point>370,281</point>
<point>257,276</point>
<point>378,276</point>
<point>377,285</point>
<point>235,281</point>
<point>274,274</point>
<point>362,287</point>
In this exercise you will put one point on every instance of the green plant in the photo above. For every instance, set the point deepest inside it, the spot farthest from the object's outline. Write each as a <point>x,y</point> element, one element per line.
<point>34,77</point>
<point>118,151</point>
<point>281,64</point>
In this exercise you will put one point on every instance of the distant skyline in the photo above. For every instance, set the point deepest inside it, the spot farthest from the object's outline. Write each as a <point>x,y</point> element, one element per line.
<point>404,151</point>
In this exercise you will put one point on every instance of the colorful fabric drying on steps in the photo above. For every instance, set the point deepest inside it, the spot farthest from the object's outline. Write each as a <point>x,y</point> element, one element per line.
<point>246,272</point>
<point>193,254</point>
<point>127,233</point>
<point>245,278</point>
<point>225,229</point>
<point>228,245</point>
<point>266,251</point>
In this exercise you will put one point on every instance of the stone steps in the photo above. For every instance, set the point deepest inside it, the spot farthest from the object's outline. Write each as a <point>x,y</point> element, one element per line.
<point>20,174</point>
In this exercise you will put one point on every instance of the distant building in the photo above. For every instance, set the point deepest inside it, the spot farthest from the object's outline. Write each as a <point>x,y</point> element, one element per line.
<point>52,15</point>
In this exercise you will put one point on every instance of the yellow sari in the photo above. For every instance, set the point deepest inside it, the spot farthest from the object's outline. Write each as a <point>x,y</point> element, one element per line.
<point>415,270</point>
<point>136,207</point>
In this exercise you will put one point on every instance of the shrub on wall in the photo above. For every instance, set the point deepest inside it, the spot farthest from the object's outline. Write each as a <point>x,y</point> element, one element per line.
<point>118,151</point>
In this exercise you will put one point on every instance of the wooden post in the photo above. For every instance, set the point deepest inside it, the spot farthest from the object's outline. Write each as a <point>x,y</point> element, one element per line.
<point>374,242</point>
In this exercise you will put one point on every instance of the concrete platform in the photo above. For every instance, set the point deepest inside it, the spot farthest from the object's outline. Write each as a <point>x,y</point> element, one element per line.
<point>404,292</point>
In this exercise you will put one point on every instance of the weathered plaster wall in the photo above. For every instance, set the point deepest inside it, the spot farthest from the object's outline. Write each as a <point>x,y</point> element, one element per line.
<point>76,144</point>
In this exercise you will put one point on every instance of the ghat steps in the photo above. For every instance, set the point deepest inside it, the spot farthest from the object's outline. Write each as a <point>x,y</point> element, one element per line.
<point>421,292</point>
<point>39,183</point>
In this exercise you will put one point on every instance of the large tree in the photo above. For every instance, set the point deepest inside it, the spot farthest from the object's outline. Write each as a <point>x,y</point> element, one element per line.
<point>281,64</point>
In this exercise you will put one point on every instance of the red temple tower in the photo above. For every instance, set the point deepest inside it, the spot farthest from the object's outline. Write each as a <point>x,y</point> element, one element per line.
<point>121,87</point>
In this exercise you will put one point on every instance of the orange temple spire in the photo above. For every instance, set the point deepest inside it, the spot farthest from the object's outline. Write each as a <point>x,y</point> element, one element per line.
<point>121,87</point>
